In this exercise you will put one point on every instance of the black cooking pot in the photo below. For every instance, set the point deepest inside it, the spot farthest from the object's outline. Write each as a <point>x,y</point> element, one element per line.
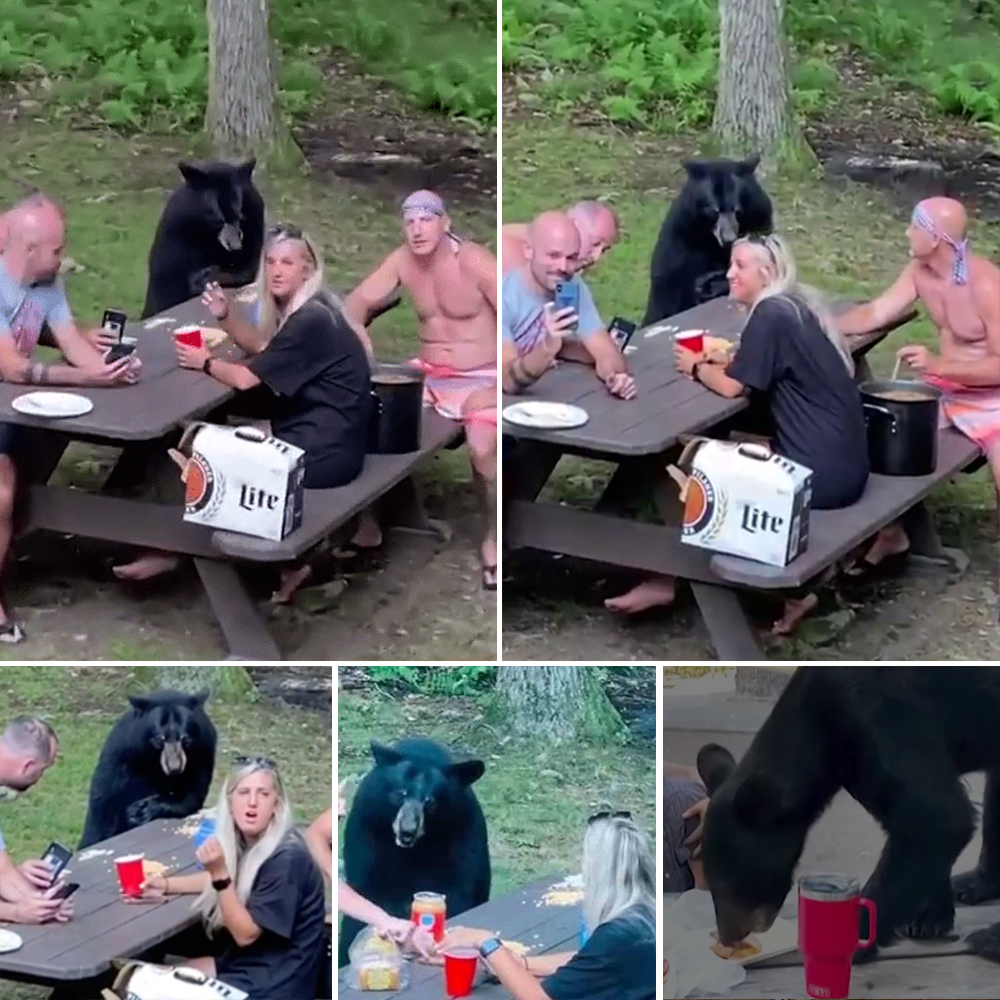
<point>397,415</point>
<point>902,421</point>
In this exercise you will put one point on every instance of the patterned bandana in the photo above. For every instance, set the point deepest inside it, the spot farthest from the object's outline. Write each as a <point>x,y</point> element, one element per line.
<point>960,272</point>
<point>423,203</point>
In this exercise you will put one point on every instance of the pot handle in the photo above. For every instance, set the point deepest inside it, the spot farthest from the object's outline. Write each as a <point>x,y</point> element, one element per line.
<point>882,409</point>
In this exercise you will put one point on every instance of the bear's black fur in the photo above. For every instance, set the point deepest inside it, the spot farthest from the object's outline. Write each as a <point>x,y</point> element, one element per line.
<point>157,763</point>
<point>212,229</point>
<point>721,200</point>
<point>898,739</point>
<point>415,825</point>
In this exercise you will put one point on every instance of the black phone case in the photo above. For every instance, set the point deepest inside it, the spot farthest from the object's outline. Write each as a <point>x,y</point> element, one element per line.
<point>61,854</point>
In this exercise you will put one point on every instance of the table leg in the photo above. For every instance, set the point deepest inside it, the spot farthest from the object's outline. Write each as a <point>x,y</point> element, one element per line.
<point>729,630</point>
<point>403,507</point>
<point>525,478</point>
<point>246,632</point>
<point>925,543</point>
<point>625,488</point>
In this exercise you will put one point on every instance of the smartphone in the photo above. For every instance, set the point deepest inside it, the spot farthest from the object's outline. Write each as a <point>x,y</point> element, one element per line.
<point>567,297</point>
<point>57,858</point>
<point>621,331</point>
<point>114,320</point>
<point>118,351</point>
<point>65,891</point>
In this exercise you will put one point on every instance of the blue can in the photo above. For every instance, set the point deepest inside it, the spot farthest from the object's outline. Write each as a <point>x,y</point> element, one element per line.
<point>205,830</point>
<point>584,930</point>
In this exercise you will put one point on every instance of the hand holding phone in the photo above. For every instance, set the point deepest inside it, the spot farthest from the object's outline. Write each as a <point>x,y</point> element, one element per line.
<point>65,890</point>
<point>114,321</point>
<point>117,352</point>
<point>568,297</point>
<point>56,857</point>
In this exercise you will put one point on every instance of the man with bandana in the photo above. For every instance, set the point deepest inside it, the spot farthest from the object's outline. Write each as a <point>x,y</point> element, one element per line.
<point>453,285</point>
<point>961,293</point>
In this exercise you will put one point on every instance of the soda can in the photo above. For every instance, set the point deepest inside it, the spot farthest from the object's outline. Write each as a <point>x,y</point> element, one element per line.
<point>429,912</point>
<point>205,830</point>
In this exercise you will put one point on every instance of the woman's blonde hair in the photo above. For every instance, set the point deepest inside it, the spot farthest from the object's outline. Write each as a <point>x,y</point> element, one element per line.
<point>267,318</point>
<point>775,257</point>
<point>243,862</point>
<point>619,872</point>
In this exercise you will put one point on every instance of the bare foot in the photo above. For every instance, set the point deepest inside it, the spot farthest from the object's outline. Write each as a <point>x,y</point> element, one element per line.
<point>659,590</point>
<point>368,534</point>
<point>147,566</point>
<point>892,540</point>
<point>795,611</point>
<point>291,580</point>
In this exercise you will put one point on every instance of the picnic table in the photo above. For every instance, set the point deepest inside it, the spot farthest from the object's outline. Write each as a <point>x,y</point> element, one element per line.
<point>942,969</point>
<point>71,957</point>
<point>519,916</point>
<point>641,437</point>
<point>148,418</point>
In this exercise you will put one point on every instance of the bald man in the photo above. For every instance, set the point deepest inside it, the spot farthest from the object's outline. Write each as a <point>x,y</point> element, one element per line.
<point>534,333</point>
<point>596,221</point>
<point>31,295</point>
<point>961,292</point>
<point>453,285</point>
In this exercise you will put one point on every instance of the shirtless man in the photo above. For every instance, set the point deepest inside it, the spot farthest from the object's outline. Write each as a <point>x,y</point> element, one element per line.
<point>597,224</point>
<point>453,284</point>
<point>31,296</point>
<point>961,292</point>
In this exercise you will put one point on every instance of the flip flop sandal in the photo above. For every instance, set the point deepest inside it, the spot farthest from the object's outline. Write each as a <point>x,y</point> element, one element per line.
<point>490,577</point>
<point>886,568</point>
<point>12,632</point>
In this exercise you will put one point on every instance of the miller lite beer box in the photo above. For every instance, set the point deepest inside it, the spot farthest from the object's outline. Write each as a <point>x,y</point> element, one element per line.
<point>241,479</point>
<point>143,981</point>
<point>744,500</point>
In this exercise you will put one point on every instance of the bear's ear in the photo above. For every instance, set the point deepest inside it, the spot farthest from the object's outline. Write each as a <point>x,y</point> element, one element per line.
<point>245,170</point>
<point>759,801</point>
<point>695,169</point>
<point>468,772</point>
<point>199,699</point>
<point>140,704</point>
<point>746,167</point>
<point>193,174</point>
<point>715,764</point>
<point>385,756</point>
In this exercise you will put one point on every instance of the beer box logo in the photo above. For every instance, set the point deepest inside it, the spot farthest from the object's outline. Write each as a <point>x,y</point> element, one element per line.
<point>200,484</point>
<point>704,509</point>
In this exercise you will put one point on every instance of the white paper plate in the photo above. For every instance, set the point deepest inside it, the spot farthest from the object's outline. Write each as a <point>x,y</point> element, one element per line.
<point>546,416</point>
<point>9,941</point>
<point>52,404</point>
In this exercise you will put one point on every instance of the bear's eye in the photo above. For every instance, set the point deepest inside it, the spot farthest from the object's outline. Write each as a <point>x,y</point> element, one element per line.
<point>429,803</point>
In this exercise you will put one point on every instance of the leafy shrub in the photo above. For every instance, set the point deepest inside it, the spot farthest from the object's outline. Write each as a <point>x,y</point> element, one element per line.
<point>445,681</point>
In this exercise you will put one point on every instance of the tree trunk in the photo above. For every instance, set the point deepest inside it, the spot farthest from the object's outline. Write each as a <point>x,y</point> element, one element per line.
<point>753,109</point>
<point>231,681</point>
<point>241,118</point>
<point>556,703</point>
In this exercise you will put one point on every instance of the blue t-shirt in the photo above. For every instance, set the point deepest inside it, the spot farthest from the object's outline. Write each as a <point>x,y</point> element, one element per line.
<point>25,309</point>
<point>523,312</point>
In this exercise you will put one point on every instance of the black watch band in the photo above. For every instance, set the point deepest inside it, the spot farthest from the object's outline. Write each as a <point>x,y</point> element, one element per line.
<point>694,370</point>
<point>207,364</point>
<point>223,883</point>
<point>489,946</point>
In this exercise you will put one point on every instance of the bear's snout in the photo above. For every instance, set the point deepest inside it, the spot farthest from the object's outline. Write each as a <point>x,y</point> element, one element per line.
<point>173,760</point>
<point>408,826</point>
<point>231,237</point>
<point>726,228</point>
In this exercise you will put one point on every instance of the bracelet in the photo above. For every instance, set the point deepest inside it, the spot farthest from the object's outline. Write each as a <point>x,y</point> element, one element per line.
<point>166,886</point>
<point>694,371</point>
<point>207,364</point>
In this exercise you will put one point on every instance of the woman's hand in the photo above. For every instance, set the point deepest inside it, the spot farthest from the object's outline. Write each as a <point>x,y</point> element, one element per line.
<point>694,841</point>
<point>215,300</point>
<point>405,932</point>
<point>155,885</point>
<point>37,872</point>
<point>686,360</point>
<point>463,937</point>
<point>214,861</point>
<point>192,357</point>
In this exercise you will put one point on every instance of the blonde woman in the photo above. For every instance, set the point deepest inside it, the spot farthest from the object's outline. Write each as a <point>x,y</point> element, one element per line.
<point>260,884</point>
<point>793,362</point>
<point>314,361</point>
<point>618,960</point>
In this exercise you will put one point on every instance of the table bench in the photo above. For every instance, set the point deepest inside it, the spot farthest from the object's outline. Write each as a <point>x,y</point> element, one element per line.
<point>517,916</point>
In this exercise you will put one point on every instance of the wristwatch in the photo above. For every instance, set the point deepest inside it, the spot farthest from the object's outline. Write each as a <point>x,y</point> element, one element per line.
<point>208,361</point>
<point>694,370</point>
<point>489,946</point>
<point>223,883</point>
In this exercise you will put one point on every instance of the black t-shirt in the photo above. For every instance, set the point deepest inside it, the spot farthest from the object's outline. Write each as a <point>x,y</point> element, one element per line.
<point>814,403</point>
<point>319,372</point>
<point>287,902</point>
<point>618,962</point>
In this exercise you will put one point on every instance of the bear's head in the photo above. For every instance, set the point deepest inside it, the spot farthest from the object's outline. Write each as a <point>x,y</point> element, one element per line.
<point>750,845</point>
<point>419,784</point>
<point>727,198</point>
<point>172,723</point>
<point>221,189</point>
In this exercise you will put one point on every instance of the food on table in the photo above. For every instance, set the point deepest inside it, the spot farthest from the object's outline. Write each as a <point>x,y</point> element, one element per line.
<point>378,965</point>
<point>720,344</point>
<point>154,869</point>
<point>562,897</point>
<point>737,953</point>
<point>517,947</point>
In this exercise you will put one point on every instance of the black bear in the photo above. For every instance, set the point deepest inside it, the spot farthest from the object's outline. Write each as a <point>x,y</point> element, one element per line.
<point>156,763</point>
<point>212,229</point>
<point>899,739</point>
<point>721,200</point>
<point>415,825</point>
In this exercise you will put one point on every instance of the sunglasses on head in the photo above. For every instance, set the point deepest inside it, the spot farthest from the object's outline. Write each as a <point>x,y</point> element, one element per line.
<point>765,242</point>
<point>608,815</point>
<point>263,762</point>
<point>285,232</point>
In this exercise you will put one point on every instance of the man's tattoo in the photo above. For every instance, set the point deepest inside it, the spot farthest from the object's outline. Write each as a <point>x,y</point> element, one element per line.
<point>38,374</point>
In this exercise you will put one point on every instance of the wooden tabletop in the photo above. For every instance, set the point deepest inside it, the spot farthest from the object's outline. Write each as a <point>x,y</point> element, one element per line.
<point>519,916</point>
<point>906,969</point>
<point>668,404</point>
<point>164,397</point>
<point>104,927</point>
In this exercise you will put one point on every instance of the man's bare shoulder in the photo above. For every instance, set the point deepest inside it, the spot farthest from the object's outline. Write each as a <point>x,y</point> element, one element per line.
<point>983,269</point>
<point>476,257</point>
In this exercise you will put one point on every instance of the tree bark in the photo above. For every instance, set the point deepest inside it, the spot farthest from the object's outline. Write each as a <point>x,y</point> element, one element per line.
<point>241,119</point>
<point>555,703</point>
<point>231,681</point>
<point>753,109</point>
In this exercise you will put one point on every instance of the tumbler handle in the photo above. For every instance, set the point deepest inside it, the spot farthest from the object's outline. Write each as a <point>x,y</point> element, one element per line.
<point>870,907</point>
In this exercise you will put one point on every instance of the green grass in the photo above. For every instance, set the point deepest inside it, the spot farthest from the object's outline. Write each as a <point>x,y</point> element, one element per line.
<point>82,703</point>
<point>536,797</point>
<point>848,240</point>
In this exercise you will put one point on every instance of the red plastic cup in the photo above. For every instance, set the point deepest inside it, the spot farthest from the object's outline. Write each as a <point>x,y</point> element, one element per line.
<point>829,919</point>
<point>191,336</point>
<point>460,971</point>
<point>692,340</point>
<point>130,874</point>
